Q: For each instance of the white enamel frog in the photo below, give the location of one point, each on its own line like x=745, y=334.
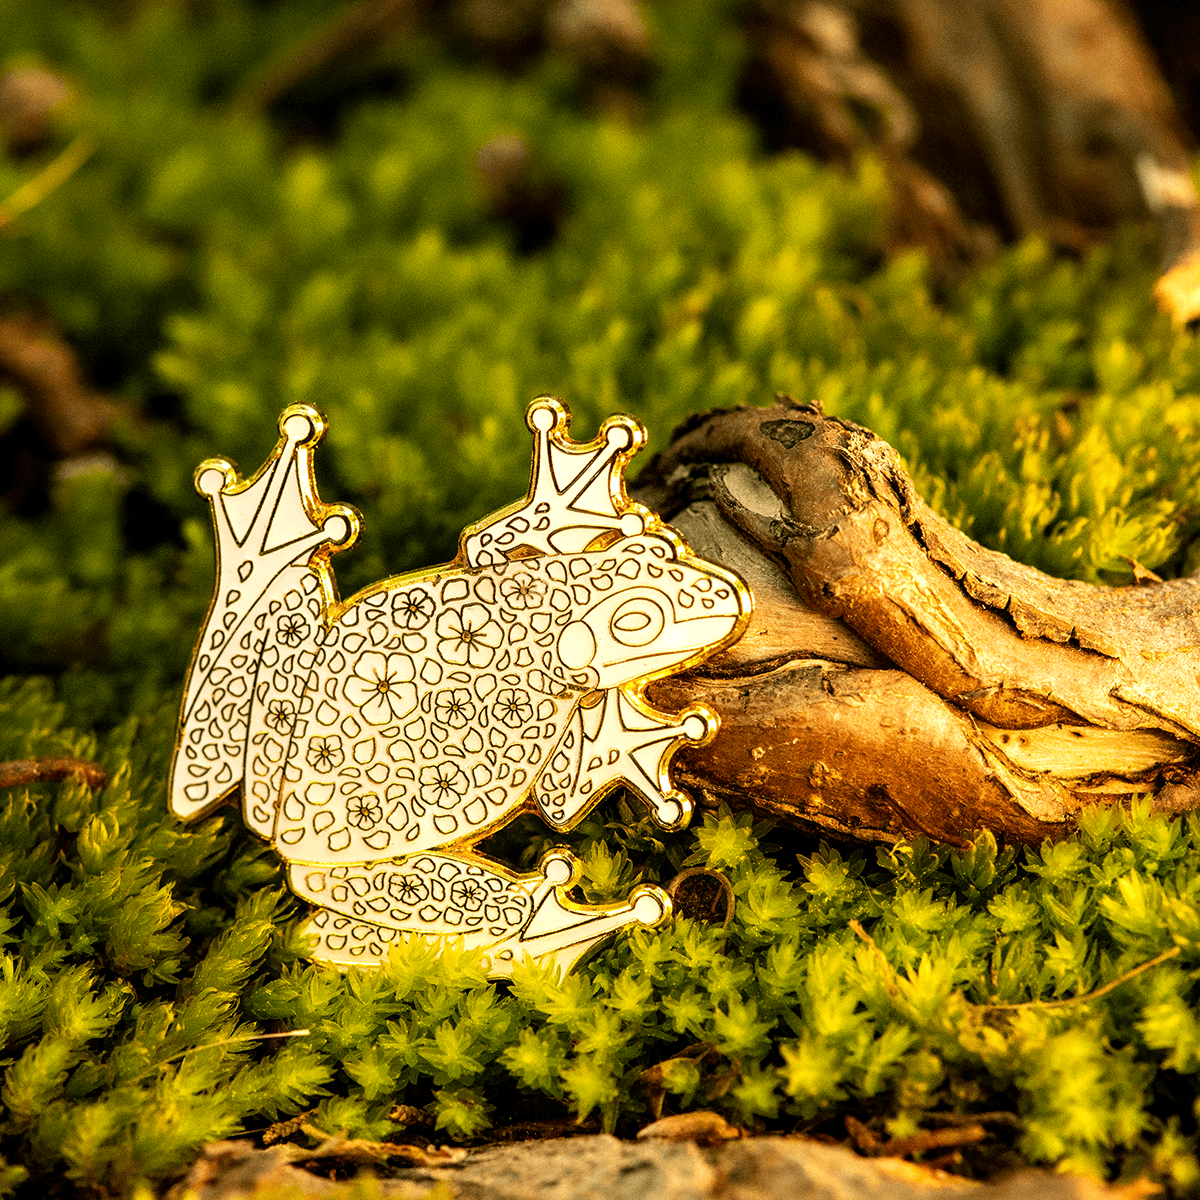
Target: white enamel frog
x=375, y=741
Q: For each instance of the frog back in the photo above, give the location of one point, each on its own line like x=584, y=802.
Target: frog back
x=432, y=707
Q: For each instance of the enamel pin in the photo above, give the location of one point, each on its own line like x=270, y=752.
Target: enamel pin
x=376, y=740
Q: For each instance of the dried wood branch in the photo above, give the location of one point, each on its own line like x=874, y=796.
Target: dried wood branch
x=67, y=413
x=359, y=25
x=898, y=678
x=1048, y=117
x=25, y=771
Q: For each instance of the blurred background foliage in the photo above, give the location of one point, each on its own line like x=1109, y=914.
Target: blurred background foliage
x=419, y=234
x=420, y=239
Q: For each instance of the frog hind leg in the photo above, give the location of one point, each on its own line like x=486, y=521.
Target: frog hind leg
x=436, y=895
x=343, y=941
x=440, y=897
x=620, y=741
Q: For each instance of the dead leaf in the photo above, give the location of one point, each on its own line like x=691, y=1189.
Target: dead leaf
x=703, y=1127
x=364, y=1153
x=1178, y=290
x=865, y=1140
x=1141, y=575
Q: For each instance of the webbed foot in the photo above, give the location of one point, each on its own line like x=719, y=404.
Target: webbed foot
x=618, y=741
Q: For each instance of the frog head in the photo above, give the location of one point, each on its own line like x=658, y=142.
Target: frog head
x=652, y=609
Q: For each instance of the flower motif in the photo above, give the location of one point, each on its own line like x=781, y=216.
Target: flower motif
x=442, y=784
x=364, y=811
x=523, y=591
x=468, y=635
x=289, y=629
x=453, y=707
x=407, y=889
x=512, y=707
x=325, y=753
x=468, y=894
x=381, y=687
x=281, y=715
x=412, y=609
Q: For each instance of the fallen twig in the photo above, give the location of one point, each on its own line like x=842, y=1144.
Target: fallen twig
x=867, y=1141
x=365, y=1153
x=360, y=23
x=1100, y=991
x=898, y=678
x=25, y=771
x=48, y=180
x=932, y=1139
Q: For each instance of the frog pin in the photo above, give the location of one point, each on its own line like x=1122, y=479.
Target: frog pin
x=376, y=741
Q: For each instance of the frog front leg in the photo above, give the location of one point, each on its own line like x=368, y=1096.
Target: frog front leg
x=615, y=740
x=510, y=917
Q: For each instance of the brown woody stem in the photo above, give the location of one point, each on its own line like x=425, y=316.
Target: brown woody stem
x=897, y=678
x=51, y=770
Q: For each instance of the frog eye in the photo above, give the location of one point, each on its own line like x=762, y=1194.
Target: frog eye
x=637, y=622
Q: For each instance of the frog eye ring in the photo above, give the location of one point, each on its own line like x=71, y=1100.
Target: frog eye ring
x=637, y=622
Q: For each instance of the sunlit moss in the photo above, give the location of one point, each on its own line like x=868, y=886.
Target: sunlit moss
x=211, y=270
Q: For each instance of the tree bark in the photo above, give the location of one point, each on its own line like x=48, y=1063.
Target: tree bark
x=898, y=678
x=1019, y=116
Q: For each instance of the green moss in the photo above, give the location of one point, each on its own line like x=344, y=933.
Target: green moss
x=211, y=270
x=878, y=984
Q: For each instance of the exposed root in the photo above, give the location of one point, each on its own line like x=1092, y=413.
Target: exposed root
x=897, y=677
x=25, y=771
